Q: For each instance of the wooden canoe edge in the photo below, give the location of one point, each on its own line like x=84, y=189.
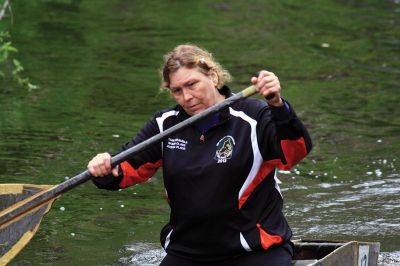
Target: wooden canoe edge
x=345, y=255
x=19, y=188
x=45, y=188
x=351, y=253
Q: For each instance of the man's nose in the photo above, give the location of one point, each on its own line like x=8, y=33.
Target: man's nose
x=187, y=95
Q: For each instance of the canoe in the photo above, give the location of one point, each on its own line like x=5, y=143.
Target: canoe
x=16, y=233
x=330, y=253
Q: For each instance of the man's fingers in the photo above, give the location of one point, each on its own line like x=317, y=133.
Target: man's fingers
x=106, y=163
x=115, y=171
x=100, y=165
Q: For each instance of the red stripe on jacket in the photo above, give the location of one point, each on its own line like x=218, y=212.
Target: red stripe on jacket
x=132, y=176
x=293, y=150
x=268, y=240
x=264, y=171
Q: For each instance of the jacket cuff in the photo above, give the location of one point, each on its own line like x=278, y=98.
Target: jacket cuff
x=281, y=113
x=109, y=182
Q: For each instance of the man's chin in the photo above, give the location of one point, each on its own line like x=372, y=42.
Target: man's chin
x=194, y=111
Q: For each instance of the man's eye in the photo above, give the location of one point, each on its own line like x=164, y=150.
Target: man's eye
x=176, y=91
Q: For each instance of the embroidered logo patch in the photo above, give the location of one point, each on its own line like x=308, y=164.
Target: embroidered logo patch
x=224, y=149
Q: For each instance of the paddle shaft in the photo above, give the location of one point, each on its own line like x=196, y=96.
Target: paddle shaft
x=12, y=212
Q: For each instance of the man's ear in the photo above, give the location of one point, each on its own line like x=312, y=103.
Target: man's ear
x=214, y=77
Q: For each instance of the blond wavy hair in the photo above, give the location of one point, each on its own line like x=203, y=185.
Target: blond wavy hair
x=191, y=56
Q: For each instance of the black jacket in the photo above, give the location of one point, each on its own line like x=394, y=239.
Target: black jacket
x=221, y=187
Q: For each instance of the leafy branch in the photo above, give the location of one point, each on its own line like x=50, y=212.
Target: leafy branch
x=7, y=51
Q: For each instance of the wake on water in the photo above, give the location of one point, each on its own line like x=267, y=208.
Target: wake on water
x=150, y=254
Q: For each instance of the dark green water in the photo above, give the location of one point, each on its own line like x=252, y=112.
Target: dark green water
x=96, y=63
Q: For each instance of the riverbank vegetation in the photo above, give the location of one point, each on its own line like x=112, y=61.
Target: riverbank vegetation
x=10, y=66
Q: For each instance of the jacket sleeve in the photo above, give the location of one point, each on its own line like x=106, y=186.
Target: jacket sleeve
x=283, y=139
x=140, y=167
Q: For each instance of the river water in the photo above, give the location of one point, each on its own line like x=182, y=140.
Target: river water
x=96, y=63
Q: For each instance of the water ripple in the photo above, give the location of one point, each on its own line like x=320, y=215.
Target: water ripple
x=143, y=254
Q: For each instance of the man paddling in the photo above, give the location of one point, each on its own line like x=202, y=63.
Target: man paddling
x=220, y=173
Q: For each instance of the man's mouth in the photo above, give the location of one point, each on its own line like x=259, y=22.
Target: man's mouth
x=193, y=108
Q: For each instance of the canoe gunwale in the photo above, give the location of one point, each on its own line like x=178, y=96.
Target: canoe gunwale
x=331, y=253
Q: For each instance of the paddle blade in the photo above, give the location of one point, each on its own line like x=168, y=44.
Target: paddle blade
x=18, y=231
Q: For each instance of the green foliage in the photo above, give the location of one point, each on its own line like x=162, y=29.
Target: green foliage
x=10, y=67
x=21, y=81
x=6, y=46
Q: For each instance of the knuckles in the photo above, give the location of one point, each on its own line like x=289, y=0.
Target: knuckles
x=100, y=164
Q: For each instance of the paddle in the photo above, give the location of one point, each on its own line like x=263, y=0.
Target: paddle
x=19, y=221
